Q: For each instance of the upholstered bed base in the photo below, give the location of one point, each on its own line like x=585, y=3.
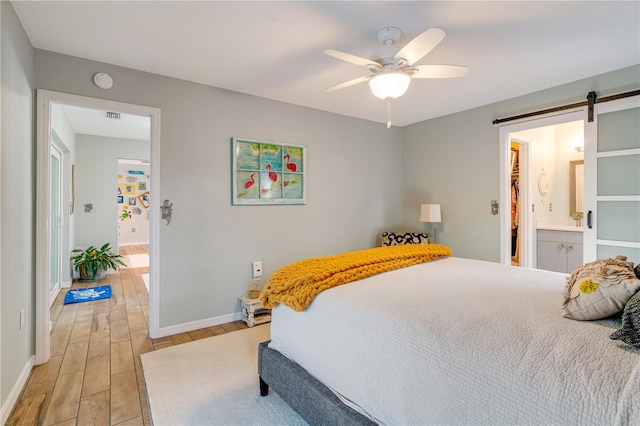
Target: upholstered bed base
x=315, y=403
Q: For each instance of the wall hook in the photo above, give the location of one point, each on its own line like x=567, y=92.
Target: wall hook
x=494, y=207
x=167, y=211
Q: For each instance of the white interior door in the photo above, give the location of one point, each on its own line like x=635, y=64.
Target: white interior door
x=55, y=212
x=612, y=181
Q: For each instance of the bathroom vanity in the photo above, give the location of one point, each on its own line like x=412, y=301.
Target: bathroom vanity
x=559, y=248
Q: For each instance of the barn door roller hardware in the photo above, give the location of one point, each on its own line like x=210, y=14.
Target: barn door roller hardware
x=592, y=99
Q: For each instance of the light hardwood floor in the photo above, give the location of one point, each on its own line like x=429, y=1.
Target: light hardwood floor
x=94, y=375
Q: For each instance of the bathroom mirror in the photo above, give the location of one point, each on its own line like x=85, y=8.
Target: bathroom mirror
x=576, y=187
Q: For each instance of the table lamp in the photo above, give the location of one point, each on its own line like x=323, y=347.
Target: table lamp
x=430, y=213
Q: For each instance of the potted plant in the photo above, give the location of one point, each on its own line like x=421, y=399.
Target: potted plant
x=93, y=263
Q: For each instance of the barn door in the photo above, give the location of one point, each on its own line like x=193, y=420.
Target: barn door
x=612, y=181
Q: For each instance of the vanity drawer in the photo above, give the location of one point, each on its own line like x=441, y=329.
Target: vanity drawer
x=560, y=236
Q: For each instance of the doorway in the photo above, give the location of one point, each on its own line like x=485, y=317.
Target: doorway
x=518, y=169
x=133, y=213
x=542, y=195
x=47, y=102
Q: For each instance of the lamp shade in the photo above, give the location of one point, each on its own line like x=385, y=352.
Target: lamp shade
x=389, y=85
x=430, y=213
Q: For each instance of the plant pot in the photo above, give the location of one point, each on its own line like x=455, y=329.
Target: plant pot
x=86, y=277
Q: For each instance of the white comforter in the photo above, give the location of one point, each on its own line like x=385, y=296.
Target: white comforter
x=458, y=341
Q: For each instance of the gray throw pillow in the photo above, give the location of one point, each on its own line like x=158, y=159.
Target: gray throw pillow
x=630, y=330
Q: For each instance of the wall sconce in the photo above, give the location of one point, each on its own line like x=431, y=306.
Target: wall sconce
x=431, y=213
x=579, y=149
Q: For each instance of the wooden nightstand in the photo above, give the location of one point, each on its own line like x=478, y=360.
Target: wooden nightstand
x=253, y=313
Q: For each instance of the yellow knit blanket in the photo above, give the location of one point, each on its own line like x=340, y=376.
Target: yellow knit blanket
x=297, y=284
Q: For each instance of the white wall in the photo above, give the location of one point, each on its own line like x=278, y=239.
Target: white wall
x=17, y=180
x=542, y=146
x=553, y=147
x=97, y=184
x=567, y=137
x=206, y=252
x=454, y=161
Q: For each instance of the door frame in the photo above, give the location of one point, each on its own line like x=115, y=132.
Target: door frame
x=505, y=131
x=45, y=101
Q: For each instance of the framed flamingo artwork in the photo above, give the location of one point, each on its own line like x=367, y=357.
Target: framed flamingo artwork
x=266, y=172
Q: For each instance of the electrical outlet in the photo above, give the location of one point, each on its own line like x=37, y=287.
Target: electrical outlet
x=257, y=269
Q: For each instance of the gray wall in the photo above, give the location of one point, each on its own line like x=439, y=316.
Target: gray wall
x=455, y=160
x=97, y=183
x=206, y=252
x=17, y=179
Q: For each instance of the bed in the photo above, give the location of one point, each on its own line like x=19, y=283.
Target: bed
x=450, y=341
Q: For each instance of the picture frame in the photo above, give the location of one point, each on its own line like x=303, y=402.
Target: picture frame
x=144, y=199
x=128, y=188
x=267, y=173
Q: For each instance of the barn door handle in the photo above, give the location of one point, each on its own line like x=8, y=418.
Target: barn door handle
x=589, y=217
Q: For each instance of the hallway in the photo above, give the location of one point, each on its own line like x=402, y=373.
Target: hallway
x=94, y=375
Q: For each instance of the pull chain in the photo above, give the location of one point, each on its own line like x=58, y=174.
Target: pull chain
x=388, y=113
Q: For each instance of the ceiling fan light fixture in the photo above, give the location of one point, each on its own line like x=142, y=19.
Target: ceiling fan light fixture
x=390, y=85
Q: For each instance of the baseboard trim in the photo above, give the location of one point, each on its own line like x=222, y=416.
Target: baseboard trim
x=196, y=325
x=13, y=396
x=139, y=243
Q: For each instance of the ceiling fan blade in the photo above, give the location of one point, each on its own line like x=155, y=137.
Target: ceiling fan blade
x=424, y=43
x=347, y=57
x=349, y=83
x=439, y=71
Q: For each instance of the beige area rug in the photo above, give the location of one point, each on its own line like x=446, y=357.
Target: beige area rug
x=213, y=381
x=136, y=260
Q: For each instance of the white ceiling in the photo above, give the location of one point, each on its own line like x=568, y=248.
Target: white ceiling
x=275, y=49
x=87, y=121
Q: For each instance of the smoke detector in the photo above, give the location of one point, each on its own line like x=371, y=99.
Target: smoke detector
x=103, y=80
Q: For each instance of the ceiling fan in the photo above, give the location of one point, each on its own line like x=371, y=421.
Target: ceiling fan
x=392, y=67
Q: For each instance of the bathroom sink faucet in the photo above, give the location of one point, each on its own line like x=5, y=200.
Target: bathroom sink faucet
x=578, y=219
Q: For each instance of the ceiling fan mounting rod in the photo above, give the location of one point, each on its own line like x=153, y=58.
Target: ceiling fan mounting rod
x=389, y=35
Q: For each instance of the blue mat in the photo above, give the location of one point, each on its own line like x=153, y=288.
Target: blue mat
x=88, y=294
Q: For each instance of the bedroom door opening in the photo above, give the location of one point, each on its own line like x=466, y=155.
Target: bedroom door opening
x=53, y=122
x=534, y=182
